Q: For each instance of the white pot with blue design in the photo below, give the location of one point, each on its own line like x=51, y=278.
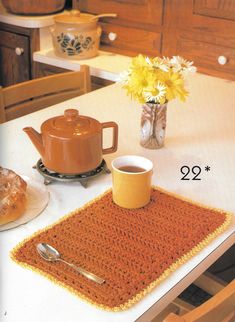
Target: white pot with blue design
x=76, y=35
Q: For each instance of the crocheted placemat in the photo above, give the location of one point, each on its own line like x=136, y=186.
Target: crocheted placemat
x=133, y=250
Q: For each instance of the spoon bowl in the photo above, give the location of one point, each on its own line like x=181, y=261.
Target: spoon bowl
x=47, y=252
x=50, y=254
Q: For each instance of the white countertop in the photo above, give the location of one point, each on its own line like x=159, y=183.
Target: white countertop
x=106, y=65
x=199, y=132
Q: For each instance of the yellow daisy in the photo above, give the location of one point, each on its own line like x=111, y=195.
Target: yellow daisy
x=140, y=81
x=174, y=86
x=139, y=61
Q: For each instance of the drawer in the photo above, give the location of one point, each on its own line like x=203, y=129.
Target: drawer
x=215, y=9
x=130, y=41
x=137, y=13
x=206, y=57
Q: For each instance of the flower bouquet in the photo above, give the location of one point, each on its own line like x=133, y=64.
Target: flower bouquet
x=154, y=82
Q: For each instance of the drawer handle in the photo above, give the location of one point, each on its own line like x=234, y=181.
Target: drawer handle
x=222, y=60
x=19, y=51
x=112, y=36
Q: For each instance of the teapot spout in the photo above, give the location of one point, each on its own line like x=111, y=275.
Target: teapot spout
x=36, y=139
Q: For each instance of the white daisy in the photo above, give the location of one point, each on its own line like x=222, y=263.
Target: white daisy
x=161, y=64
x=182, y=65
x=123, y=77
x=156, y=96
x=166, y=61
x=148, y=61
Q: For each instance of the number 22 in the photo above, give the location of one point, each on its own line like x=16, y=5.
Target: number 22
x=185, y=170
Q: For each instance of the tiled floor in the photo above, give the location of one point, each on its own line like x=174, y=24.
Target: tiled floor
x=194, y=295
x=224, y=267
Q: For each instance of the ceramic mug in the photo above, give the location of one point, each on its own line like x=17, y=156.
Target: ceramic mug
x=131, y=175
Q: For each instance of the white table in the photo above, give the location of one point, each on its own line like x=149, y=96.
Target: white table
x=200, y=132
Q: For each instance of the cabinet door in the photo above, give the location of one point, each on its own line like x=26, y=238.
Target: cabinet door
x=202, y=31
x=14, y=58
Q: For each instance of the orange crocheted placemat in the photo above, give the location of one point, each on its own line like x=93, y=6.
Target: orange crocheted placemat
x=133, y=250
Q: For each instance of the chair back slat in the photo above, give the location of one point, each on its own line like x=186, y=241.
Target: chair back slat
x=27, y=97
x=34, y=105
x=50, y=85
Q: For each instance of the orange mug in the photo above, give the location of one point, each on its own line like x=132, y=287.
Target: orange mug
x=131, y=175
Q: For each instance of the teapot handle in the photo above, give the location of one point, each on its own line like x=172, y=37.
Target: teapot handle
x=113, y=148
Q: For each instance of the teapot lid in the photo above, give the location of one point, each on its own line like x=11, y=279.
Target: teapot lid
x=74, y=17
x=71, y=125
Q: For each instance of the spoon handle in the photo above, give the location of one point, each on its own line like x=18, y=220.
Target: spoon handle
x=84, y=272
x=103, y=15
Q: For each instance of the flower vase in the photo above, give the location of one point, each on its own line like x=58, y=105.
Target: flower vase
x=153, y=125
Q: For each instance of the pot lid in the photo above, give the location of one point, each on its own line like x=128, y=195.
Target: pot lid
x=71, y=125
x=74, y=17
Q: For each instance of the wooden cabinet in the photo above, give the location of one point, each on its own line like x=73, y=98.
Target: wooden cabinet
x=202, y=31
x=16, y=47
x=41, y=70
x=198, y=30
x=137, y=28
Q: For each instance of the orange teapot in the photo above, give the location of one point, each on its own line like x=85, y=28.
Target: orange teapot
x=72, y=143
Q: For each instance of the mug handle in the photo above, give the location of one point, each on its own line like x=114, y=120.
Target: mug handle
x=113, y=148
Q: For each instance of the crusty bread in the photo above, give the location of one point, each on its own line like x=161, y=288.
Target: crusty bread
x=12, y=196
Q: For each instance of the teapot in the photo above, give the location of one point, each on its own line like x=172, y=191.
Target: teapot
x=72, y=143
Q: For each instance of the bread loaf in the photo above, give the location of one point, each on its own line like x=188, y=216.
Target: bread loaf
x=12, y=196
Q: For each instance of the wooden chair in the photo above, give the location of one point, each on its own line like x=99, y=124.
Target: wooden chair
x=219, y=308
x=30, y=96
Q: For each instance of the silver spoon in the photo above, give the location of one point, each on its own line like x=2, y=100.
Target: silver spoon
x=50, y=254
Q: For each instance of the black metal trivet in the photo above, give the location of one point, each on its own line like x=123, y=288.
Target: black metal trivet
x=50, y=176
